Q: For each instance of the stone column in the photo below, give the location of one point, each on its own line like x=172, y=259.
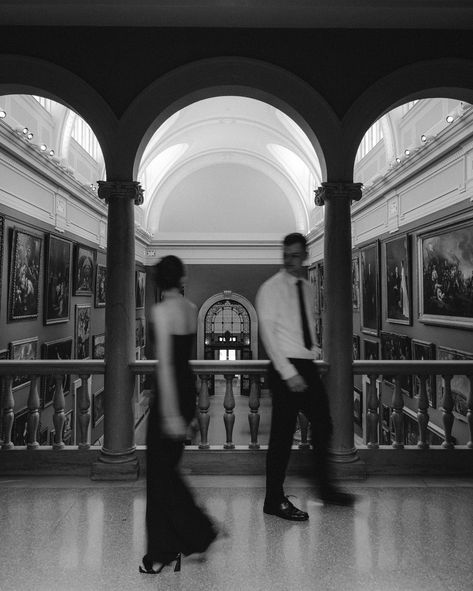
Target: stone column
x=338, y=319
x=118, y=460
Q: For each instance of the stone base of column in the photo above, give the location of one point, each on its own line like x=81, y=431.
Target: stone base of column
x=115, y=468
x=344, y=456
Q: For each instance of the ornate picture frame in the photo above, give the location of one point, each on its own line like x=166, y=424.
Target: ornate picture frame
x=370, y=300
x=100, y=286
x=23, y=350
x=397, y=263
x=140, y=289
x=58, y=349
x=25, y=270
x=397, y=347
x=57, y=280
x=460, y=384
x=84, y=266
x=98, y=346
x=355, y=283
x=82, y=326
x=370, y=349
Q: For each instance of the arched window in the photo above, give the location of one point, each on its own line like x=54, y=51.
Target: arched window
x=44, y=102
x=227, y=323
x=372, y=137
x=85, y=137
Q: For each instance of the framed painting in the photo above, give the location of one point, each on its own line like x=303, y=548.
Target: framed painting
x=82, y=331
x=3, y=354
x=58, y=349
x=23, y=350
x=357, y=406
x=369, y=273
x=83, y=270
x=313, y=280
x=24, y=275
x=20, y=426
x=398, y=280
x=140, y=332
x=320, y=284
x=97, y=407
x=356, y=347
x=140, y=288
x=57, y=280
x=445, y=263
x=370, y=350
x=355, y=283
x=460, y=385
x=2, y=233
x=422, y=350
x=98, y=346
x=100, y=286
x=396, y=347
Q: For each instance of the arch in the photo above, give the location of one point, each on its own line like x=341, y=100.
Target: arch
x=26, y=75
x=227, y=76
x=227, y=295
x=447, y=78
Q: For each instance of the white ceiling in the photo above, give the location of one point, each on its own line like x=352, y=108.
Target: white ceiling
x=433, y=14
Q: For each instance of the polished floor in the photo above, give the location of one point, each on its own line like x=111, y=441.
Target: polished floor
x=416, y=534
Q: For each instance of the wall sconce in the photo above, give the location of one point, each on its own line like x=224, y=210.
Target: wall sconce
x=51, y=152
x=3, y=114
x=43, y=147
x=449, y=118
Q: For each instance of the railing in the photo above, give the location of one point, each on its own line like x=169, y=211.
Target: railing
x=255, y=369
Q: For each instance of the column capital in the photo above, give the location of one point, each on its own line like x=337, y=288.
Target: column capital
x=351, y=191
x=120, y=189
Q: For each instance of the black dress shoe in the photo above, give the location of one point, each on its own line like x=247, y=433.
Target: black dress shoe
x=286, y=510
x=335, y=496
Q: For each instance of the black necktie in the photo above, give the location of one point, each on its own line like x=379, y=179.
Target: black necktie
x=305, y=324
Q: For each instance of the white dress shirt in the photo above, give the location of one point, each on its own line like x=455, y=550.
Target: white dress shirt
x=280, y=323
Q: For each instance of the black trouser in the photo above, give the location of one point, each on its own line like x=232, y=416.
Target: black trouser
x=286, y=405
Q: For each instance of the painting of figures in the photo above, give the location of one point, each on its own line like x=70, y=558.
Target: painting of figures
x=82, y=332
x=83, y=270
x=398, y=288
x=369, y=257
x=397, y=347
x=355, y=283
x=24, y=275
x=446, y=276
x=60, y=349
x=57, y=280
x=23, y=350
x=140, y=284
x=100, y=286
x=460, y=385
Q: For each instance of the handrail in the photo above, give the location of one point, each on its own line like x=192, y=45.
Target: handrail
x=419, y=367
x=212, y=367
x=43, y=367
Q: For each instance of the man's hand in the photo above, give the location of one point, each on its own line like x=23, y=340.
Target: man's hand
x=296, y=383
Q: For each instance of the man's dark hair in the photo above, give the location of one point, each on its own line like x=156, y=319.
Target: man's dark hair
x=169, y=272
x=295, y=238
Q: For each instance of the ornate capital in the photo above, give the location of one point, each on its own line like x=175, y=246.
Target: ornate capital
x=351, y=191
x=120, y=190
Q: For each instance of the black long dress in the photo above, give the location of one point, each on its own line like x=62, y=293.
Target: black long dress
x=174, y=522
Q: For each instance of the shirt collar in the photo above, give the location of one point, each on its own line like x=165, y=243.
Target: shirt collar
x=290, y=278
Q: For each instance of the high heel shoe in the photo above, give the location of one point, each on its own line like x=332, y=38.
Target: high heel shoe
x=147, y=567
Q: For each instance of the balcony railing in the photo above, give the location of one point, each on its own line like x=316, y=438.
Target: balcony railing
x=254, y=369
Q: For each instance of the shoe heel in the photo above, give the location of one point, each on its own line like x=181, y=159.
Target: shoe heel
x=177, y=567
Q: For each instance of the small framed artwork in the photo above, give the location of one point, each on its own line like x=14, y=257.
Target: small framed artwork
x=83, y=270
x=422, y=350
x=397, y=347
x=370, y=349
x=460, y=385
x=356, y=347
x=23, y=350
x=369, y=263
x=24, y=275
x=97, y=407
x=355, y=283
x=58, y=349
x=100, y=286
x=140, y=285
x=68, y=432
x=140, y=332
x=98, y=346
x=445, y=262
x=57, y=280
x=82, y=331
x=398, y=280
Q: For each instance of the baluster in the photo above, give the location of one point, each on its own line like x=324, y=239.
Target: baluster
x=304, y=426
x=204, y=417
x=469, y=414
x=83, y=404
x=372, y=417
x=59, y=416
x=8, y=405
x=229, y=405
x=253, y=415
x=33, y=414
x=447, y=408
x=397, y=414
x=422, y=413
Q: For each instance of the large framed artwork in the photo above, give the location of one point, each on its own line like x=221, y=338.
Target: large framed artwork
x=355, y=283
x=369, y=263
x=82, y=331
x=83, y=270
x=371, y=350
x=397, y=347
x=58, y=349
x=100, y=286
x=57, y=280
x=460, y=385
x=445, y=262
x=424, y=351
x=23, y=350
x=313, y=280
x=98, y=346
x=398, y=280
x=140, y=288
x=97, y=407
x=24, y=275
